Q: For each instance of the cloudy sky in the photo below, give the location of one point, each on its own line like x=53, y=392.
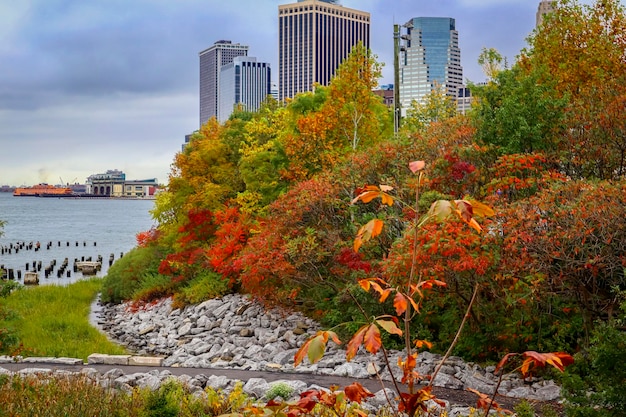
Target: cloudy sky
x=91, y=85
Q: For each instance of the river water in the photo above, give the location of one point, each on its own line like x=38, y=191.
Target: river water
x=72, y=228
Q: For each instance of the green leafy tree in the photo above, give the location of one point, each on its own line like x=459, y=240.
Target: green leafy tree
x=436, y=107
x=518, y=114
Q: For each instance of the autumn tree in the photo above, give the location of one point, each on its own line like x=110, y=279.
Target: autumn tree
x=331, y=122
x=569, y=240
x=579, y=51
x=358, y=115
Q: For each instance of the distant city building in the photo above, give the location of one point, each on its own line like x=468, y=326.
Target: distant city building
x=314, y=37
x=545, y=7
x=386, y=93
x=463, y=100
x=211, y=61
x=274, y=91
x=113, y=183
x=243, y=82
x=429, y=57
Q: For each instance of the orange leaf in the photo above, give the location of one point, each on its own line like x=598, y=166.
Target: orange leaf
x=371, y=340
x=384, y=295
x=559, y=360
x=400, y=303
x=370, y=192
x=485, y=402
x=422, y=343
x=357, y=392
x=416, y=166
x=429, y=283
x=504, y=361
x=365, y=284
x=353, y=345
x=481, y=209
x=372, y=229
x=465, y=210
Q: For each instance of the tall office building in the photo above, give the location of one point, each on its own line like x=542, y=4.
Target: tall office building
x=429, y=57
x=314, y=37
x=545, y=7
x=244, y=82
x=211, y=62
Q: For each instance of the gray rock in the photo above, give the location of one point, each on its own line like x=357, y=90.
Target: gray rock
x=256, y=387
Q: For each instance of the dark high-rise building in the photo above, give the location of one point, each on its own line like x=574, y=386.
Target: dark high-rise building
x=429, y=58
x=211, y=62
x=314, y=37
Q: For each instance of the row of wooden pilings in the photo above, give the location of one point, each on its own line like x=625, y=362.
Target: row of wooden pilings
x=35, y=267
x=36, y=246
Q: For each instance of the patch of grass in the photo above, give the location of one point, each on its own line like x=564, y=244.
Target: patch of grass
x=78, y=395
x=67, y=396
x=53, y=320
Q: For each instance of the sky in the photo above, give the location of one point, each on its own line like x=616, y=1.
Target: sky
x=92, y=85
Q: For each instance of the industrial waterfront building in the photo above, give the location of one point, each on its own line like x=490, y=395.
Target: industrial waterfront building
x=113, y=183
x=314, y=37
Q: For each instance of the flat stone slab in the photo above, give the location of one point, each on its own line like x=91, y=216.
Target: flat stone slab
x=102, y=359
x=145, y=361
x=56, y=361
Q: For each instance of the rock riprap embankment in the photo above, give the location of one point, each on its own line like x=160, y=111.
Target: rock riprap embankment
x=236, y=333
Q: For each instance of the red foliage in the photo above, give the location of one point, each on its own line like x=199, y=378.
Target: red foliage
x=230, y=238
x=145, y=239
x=353, y=260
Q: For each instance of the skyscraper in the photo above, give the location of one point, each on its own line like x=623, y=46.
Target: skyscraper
x=429, y=57
x=545, y=7
x=314, y=37
x=244, y=82
x=211, y=62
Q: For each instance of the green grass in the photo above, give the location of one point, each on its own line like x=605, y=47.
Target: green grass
x=53, y=320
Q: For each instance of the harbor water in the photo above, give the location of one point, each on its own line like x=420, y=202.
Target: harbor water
x=72, y=228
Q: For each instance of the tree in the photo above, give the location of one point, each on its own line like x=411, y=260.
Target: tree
x=570, y=240
x=351, y=98
x=579, y=51
x=437, y=106
x=518, y=114
x=491, y=61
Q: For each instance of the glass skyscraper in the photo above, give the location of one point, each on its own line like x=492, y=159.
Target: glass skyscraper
x=314, y=37
x=429, y=57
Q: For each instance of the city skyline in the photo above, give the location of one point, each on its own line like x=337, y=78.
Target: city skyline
x=87, y=86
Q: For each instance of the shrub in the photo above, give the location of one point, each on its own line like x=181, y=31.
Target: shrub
x=204, y=287
x=279, y=389
x=125, y=275
x=594, y=386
